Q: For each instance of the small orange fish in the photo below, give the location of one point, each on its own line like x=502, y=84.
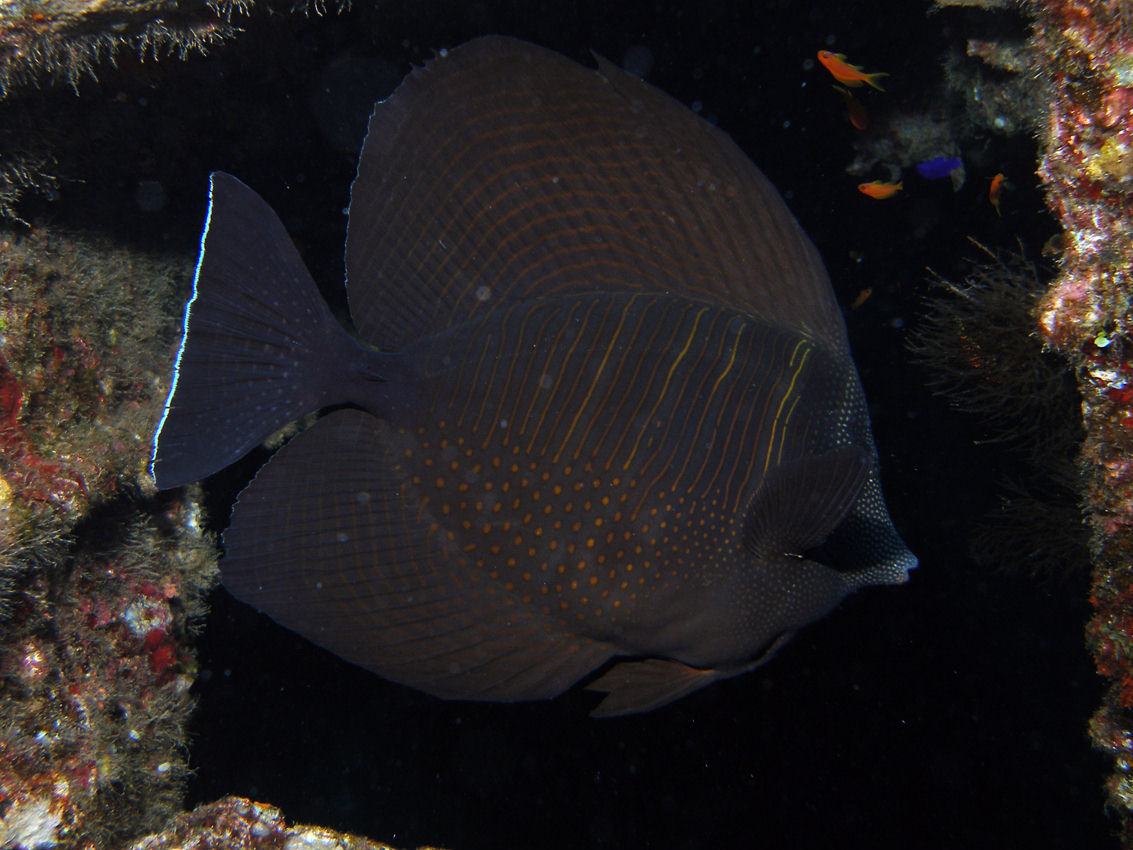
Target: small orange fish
x=844, y=72
x=879, y=190
x=995, y=191
x=863, y=296
x=854, y=108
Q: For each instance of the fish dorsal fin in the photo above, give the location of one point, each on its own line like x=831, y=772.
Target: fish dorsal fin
x=800, y=503
x=502, y=171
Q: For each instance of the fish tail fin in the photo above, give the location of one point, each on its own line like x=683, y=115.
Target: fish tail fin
x=872, y=79
x=259, y=349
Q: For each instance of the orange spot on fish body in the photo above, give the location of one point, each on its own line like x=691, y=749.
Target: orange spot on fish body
x=879, y=190
x=847, y=74
x=854, y=109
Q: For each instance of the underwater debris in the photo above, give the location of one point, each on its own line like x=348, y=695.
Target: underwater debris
x=1013, y=56
x=993, y=89
x=27, y=165
x=61, y=41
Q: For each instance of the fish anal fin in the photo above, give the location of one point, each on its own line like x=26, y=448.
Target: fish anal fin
x=636, y=686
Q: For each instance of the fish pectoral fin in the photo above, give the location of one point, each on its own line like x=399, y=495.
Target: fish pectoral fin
x=801, y=502
x=635, y=686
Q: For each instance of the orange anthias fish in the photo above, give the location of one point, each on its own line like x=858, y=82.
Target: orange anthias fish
x=995, y=191
x=880, y=190
x=844, y=72
x=854, y=108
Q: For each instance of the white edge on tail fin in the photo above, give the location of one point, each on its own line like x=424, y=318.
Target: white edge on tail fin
x=184, y=331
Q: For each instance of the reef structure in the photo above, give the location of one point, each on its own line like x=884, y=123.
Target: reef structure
x=235, y=823
x=101, y=580
x=48, y=43
x=63, y=39
x=1086, y=49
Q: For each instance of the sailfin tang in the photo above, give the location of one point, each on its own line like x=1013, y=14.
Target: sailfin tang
x=331, y=541
x=258, y=340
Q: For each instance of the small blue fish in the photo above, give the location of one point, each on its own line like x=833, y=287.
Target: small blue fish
x=938, y=168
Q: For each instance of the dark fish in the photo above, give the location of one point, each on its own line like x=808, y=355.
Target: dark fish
x=613, y=414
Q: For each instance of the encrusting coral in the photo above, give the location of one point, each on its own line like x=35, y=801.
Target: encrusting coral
x=102, y=581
